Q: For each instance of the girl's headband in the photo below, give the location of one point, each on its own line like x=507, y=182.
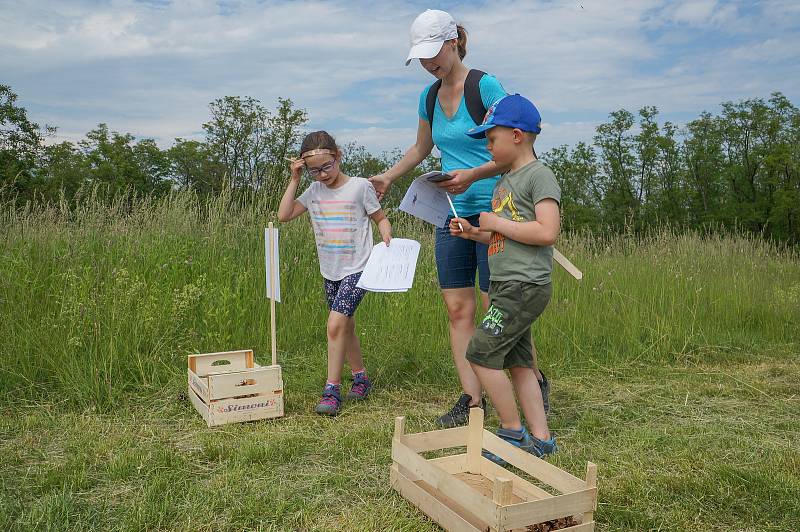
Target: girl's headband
x=309, y=153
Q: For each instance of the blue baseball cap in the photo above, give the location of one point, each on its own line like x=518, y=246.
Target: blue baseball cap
x=513, y=111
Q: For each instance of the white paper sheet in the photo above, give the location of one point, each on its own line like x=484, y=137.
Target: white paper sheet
x=276, y=261
x=427, y=201
x=391, y=269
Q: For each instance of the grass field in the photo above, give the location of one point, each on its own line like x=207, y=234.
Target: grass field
x=674, y=367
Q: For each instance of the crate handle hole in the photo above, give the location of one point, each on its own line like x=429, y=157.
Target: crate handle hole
x=247, y=382
x=222, y=362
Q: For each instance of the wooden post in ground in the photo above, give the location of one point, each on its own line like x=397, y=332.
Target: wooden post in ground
x=399, y=427
x=474, y=440
x=271, y=252
x=591, y=482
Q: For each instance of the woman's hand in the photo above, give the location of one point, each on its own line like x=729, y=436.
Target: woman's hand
x=462, y=179
x=296, y=167
x=381, y=184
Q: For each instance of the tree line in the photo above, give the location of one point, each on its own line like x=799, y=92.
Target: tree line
x=736, y=170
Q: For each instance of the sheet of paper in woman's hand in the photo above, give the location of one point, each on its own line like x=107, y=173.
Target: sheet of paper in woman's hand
x=390, y=269
x=427, y=201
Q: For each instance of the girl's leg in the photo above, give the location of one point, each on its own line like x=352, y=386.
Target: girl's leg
x=460, y=303
x=499, y=390
x=530, y=399
x=338, y=337
x=353, y=349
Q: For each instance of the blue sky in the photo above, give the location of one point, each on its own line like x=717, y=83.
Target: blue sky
x=151, y=67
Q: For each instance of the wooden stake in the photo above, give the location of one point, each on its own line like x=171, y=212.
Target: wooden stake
x=567, y=265
x=399, y=426
x=591, y=482
x=501, y=492
x=475, y=440
x=272, y=298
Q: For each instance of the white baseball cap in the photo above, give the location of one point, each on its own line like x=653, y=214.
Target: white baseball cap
x=429, y=32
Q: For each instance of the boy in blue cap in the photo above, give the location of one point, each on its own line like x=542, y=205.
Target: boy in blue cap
x=520, y=232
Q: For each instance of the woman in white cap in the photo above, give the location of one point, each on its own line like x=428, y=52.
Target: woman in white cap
x=450, y=106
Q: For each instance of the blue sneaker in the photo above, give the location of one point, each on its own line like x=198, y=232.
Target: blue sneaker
x=330, y=402
x=360, y=388
x=522, y=439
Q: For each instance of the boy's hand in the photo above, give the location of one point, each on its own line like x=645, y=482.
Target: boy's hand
x=455, y=230
x=296, y=167
x=487, y=221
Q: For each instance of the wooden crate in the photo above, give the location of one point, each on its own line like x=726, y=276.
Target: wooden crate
x=229, y=387
x=467, y=492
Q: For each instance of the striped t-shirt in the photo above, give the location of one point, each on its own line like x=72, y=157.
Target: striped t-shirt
x=342, y=229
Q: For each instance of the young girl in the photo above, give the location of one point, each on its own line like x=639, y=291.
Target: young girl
x=340, y=208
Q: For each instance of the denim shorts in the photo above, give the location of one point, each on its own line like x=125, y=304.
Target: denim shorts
x=457, y=259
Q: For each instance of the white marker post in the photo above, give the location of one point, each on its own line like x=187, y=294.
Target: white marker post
x=273, y=280
x=567, y=265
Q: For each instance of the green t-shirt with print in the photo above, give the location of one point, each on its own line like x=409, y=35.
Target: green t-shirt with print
x=515, y=197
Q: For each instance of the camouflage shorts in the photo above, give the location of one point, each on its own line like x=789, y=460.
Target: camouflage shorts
x=503, y=339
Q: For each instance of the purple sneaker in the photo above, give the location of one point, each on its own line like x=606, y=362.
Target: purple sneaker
x=360, y=388
x=330, y=402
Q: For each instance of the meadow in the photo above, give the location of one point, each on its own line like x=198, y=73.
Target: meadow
x=674, y=367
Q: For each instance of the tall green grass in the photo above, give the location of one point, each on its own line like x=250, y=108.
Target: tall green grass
x=673, y=365
x=107, y=299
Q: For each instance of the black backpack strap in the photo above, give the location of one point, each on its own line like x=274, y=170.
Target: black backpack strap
x=430, y=101
x=472, y=96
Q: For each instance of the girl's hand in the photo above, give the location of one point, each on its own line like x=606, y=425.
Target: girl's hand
x=487, y=221
x=461, y=181
x=455, y=229
x=296, y=167
x=381, y=184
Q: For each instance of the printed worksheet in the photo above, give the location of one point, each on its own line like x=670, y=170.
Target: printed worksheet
x=427, y=201
x=391, y=269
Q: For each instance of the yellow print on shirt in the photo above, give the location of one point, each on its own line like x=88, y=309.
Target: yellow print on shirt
x=502, y=199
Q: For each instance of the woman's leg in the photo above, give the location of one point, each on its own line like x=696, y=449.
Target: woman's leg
x=460, y=303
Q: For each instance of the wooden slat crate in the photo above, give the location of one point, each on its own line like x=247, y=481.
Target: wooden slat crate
x=229, y=387
x=467, y=492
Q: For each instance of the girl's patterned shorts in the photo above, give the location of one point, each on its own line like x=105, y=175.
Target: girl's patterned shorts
x=343, y=296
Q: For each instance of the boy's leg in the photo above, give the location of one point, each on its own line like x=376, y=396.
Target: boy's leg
x=498, y=388
x=530, y=399
x=499, y=333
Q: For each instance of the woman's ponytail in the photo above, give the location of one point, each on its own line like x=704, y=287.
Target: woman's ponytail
x=461, y=41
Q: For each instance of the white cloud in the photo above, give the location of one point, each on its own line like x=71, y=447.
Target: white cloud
x=694, y=12
x=151, y=69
